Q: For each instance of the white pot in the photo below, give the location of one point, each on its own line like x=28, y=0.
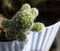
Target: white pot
x=12, y=46
x=37, y=41
x=42, y=41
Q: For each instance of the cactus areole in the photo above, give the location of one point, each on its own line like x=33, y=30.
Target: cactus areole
x=21, y=23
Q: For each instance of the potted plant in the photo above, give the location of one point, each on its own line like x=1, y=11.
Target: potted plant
x=21, y=31
x=17, y=29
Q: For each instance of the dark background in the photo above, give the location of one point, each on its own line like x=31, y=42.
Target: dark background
x=49, y=10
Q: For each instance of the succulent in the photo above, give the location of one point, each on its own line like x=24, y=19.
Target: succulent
x=34, y=13
x=22, y=23
x=38, y=27
x=6, y=23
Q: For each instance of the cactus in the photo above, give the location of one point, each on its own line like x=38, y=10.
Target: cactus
x=38, y=27
x=6, y=23
x=34, y=13
x=21, y=23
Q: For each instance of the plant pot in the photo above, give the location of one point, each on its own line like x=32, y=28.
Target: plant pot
x=42, y=41
x=37, y=41
x=12, y=46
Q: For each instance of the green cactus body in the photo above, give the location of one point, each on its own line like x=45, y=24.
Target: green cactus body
x=6, y=23
x=38, y=27
x=21, y=23
x=34, y=13
x=23, y=20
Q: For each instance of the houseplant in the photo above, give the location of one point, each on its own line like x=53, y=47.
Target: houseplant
x=37, y=39
x=18, y=27
x=48, y=15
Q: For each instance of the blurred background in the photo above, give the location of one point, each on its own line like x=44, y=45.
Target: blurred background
x=49, y=12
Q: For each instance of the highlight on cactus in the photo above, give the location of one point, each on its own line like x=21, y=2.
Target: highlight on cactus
x=34, y=12
x=22, y=23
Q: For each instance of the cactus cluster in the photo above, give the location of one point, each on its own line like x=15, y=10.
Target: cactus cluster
x=21, y=23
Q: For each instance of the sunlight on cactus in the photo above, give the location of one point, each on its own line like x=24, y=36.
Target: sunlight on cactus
x=34, y=13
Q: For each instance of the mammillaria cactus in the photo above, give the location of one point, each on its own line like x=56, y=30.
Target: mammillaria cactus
x=6, y=23
x=38, y=27
x=34, y=12
x=21, y=23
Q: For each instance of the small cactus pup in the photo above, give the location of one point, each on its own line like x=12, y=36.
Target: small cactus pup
x=38, y=27
x=20, y=24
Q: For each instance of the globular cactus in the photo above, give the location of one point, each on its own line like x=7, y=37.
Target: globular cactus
x=21, y=23
x=23, y=20
x=34, y=12
x=38, y=27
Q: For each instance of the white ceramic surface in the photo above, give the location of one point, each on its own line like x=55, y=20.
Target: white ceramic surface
x=42, y=41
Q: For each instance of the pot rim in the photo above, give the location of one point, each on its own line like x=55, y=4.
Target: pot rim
x=54, y=23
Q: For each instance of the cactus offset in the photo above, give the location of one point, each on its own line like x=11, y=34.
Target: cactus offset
x=38, y=27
